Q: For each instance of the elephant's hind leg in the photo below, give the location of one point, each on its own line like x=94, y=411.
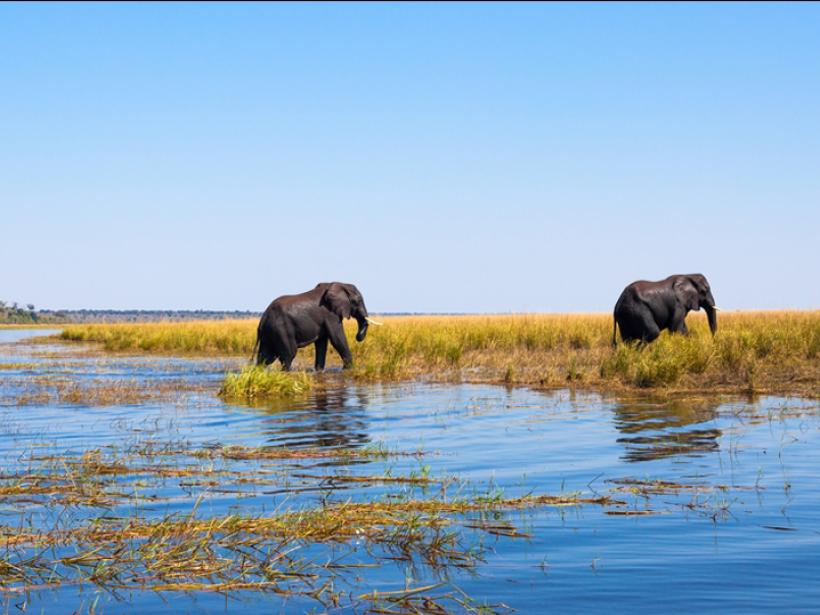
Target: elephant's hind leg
x=638, y=324
x=649, y=329
x=266, y=356
x=287, y=352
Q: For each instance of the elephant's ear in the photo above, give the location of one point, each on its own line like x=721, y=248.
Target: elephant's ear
x=687, y=293
x=337, y=300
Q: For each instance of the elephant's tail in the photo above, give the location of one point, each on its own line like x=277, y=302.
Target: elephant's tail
x=614, y=330
x=257, y=346
x=255, y=352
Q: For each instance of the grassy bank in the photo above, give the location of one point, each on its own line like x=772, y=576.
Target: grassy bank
x=752, y=352
x=222, y=338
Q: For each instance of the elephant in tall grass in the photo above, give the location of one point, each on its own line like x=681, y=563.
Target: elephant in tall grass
x=313, y=317
x=644, y=309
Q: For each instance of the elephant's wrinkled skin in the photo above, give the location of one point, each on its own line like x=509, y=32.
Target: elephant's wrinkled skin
x=644, y=309
x=314, y=317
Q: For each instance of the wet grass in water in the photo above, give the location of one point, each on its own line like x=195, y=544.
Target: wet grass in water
x=266, y=553
x=64, y=390
x=253, y=384
x=240, y=553
x=234, y=552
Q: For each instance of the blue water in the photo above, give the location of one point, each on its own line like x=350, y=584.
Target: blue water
x=743, y=537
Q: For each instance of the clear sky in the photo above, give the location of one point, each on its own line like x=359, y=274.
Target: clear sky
x=482, y=158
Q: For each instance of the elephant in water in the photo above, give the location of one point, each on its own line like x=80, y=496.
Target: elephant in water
x=314, y=317
x=644, y=309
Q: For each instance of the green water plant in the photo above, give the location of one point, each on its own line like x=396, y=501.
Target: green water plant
x=258, y=383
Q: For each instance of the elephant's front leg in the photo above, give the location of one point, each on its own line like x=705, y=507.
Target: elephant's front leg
x=338, y=340
x=321, y=353
x=678, y=324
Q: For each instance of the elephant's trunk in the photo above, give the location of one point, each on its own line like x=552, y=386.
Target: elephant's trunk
x=362, y=332
x=711, y=312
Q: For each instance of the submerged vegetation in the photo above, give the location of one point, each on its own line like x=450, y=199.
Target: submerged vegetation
x=752, y=351
x=238, y=553
x=305, y=552
x=243, y=552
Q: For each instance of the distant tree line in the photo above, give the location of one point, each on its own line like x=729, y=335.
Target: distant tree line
x=14, y=314
x=144, y=315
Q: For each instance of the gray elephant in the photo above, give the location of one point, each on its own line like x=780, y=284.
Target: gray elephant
x=314, y=317
x=644, y=309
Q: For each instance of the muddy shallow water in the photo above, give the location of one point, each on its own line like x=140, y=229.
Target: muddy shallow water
x=719, y=498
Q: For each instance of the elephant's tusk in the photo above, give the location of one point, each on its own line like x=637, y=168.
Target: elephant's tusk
x=374, y=322
x=716, y=308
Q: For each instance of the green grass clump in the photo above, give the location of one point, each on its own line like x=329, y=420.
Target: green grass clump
x=258, y=383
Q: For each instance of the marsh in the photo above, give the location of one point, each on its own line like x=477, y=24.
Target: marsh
x=476, y=495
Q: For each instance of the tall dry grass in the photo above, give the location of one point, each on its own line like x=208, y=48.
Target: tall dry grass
x=206, y=337
x=761, y=351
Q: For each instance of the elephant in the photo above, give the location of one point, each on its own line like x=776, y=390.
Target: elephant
x=313, y=317
x=644, y=308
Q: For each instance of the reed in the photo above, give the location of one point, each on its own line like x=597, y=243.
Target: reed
x=753, y=351
x=271, y=553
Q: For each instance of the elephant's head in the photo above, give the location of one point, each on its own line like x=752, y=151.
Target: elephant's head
x=346, y=301
x=694, y=292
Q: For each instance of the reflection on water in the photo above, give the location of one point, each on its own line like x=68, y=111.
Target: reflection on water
x=328, y=418
x=657, y=430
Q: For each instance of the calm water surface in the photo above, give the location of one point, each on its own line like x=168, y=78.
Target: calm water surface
x=743, y=535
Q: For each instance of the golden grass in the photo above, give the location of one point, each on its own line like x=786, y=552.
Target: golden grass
x=265, y=553
x=776, y=351
x=206, y=337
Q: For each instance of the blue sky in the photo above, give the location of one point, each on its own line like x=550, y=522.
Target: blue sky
x=482, y=158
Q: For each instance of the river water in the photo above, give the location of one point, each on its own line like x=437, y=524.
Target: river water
x=727, y=489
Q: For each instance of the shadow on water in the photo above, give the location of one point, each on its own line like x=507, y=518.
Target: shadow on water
x=667, y=429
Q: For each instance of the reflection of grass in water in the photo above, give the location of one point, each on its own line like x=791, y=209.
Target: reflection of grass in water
x=257, y=383
x=752, y=351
